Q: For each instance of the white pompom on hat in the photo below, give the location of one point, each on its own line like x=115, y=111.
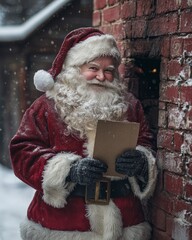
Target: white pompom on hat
x=43, y=81
x=79, y=46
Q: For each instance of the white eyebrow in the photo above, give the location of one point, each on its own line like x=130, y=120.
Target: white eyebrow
x=112, y=67
x=94, y=63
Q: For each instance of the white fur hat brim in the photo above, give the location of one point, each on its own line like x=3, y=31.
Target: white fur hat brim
x=92, y=48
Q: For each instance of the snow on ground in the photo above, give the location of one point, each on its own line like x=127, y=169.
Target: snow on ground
x=15, y=197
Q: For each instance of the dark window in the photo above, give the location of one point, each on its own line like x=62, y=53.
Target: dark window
x=146, y=88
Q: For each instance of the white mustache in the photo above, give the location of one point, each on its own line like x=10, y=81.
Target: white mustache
x=105, y=83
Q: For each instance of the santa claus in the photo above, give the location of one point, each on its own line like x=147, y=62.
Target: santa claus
x=52, y=150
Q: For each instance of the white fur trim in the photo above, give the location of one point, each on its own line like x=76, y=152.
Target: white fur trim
x=43, y=81
x=55, y=189
x=105, y=220
x=91, y=48
x=33, y=231
x=152, y=176
x=140, y=231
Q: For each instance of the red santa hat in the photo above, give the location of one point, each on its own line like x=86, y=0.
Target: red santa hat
x=79, y=46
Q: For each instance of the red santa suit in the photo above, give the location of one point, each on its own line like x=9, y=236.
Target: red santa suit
x=42, y=152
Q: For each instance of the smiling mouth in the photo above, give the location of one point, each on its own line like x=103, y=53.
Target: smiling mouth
x=97, y=85
x=101, y=86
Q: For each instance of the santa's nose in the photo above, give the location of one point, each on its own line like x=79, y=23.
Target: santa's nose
x=100, y=76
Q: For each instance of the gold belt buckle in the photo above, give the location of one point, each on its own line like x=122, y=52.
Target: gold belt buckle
x=97, y=200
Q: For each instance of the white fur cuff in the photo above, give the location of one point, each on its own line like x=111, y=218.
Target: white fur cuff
x=55, y=189
x=152, y=176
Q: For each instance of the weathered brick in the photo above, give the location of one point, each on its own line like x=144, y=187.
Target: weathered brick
x=189, y=167
x=164, y=69
x=140, y=47
x=174, y=69
x=160, y=235
x=155, y=48
x=187, y=144
x=167, y=6
x=124, y=48
x=112, y=2
x=170, y=161
x=162, y=119
x=186, y=95
x=154, y=26
x=173, y=162
x=139, y=28
x=176, y=118
x=118, y=31
x=169, y=92
x=99, y=4
x=188, y=45
x=173, y=184
x=163, y=25
x=169, y=224
x=165, y=47
x=158, y=218
x=188, y=190
x=164, y=201
x=178, y=140
x=106, y=28
x=186, y=23
x=186, y=4
x=173, y=23
x=165, y=139
x=96, y=18
x=176, y=47
x=144, y=7
x=181, y=205
x=111, y=14
x=128, y=29
x=162, y=105
x=128, y=9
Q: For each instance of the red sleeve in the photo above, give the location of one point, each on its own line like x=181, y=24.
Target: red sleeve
x=30, y=147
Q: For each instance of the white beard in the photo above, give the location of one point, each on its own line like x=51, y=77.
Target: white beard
x=81, y=103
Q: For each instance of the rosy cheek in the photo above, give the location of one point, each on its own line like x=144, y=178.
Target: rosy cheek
x=109, y=78
x=88, y=75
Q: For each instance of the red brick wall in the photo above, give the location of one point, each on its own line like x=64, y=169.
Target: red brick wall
x=162, y=29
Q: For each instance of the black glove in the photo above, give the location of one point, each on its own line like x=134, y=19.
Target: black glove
x=132, y=163
x=86, y=171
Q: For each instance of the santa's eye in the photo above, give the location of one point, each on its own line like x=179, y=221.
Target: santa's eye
x=109, y=71
x=93, y=68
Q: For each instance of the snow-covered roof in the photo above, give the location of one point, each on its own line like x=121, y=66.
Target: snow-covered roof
x=20, y=32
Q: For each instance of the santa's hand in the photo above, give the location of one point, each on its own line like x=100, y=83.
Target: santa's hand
x=86, y=171
x=132, y=163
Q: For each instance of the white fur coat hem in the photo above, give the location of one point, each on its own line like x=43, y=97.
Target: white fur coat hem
x=34, y=231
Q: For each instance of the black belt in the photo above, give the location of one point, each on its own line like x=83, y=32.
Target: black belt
x=118, y=188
